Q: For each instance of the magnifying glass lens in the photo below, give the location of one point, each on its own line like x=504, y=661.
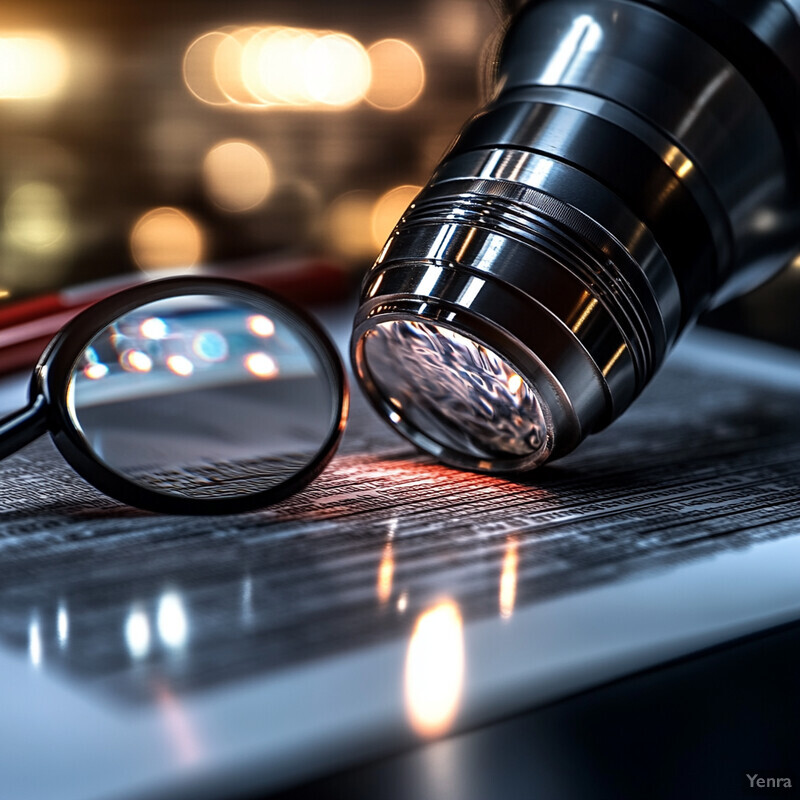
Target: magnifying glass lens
x=204, y=396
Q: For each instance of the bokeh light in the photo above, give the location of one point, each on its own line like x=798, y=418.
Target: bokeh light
x=31, y=67
x=337, y=70
x=228, y=67
x=198, y=69
x=135, y=361
x=398, y=75
x=348, y=225
x=455, y=26
x=95, y=372
x=387, y=211
x=180, y=365
x=37, y=216
x=261, y=365
x=250, y=67
x=210, y=346
x=238, y=176
x=274, y=65
x=166, y=237
x=153, y=328
x=261, y=325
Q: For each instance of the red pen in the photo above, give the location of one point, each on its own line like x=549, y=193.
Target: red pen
x=28, y=325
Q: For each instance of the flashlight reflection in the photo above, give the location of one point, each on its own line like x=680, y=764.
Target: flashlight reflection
x=434, y=669
x=385, y=574
x=137, y=632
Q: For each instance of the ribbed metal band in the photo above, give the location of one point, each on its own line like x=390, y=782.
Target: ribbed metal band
x=549, y=227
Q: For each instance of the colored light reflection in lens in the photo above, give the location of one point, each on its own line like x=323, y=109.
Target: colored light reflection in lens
x=201, y=430
x=31, y=67
x=210, y=346
x=180, y=365
x=95, y=371
x=434, y=670
x=261, y=365
x=238, y=176
x=514, y=383
x=136, y=361
x=166, y=237
x=154, y=328
x=398, y=75
x=261, y=326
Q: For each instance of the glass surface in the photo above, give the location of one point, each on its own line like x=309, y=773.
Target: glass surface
x=454, y=390
x=204, y=396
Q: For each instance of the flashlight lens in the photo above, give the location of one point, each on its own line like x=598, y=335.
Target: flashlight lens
x=456, y=392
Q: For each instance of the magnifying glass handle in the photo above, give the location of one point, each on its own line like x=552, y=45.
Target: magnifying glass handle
x=22, y=427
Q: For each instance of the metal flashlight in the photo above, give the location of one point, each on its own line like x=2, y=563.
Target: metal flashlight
x=638, y=164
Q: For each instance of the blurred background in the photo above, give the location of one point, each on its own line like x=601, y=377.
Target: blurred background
x=156, y=136
x=152, y=136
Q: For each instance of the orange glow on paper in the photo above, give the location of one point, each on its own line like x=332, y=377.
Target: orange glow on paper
x=179, y=728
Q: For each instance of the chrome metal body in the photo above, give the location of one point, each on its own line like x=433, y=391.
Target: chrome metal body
x=639, y=163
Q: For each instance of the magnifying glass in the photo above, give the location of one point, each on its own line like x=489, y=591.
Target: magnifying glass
x=189, y=395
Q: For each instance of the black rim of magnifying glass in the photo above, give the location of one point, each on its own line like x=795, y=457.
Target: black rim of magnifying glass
x=49, y=385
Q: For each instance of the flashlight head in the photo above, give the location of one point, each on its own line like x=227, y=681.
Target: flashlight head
x=614, y=188
x=497, y=351
x=456, y=396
